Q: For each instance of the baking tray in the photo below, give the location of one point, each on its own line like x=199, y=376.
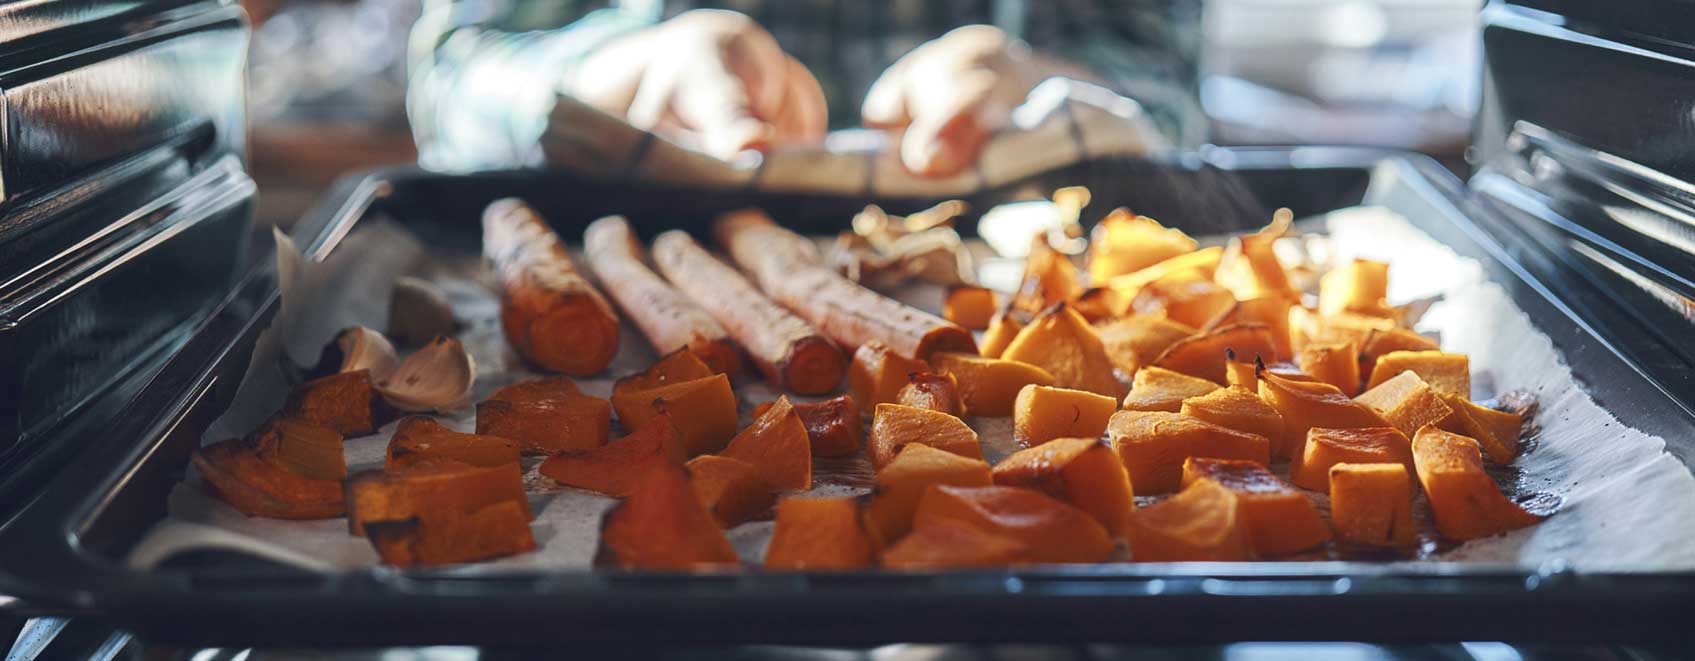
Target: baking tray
x=61, y=554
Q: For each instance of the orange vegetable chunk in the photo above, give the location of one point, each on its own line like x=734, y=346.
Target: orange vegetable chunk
x=893, y=427
x=970, y=306
x=429, y=489
x=1269, y=310
x=303, y=448
x=1187, y=297
x=1447, y=373
x=1371, y=504
x=1154, y=444
x=339, y=401
x=616, y=468
x=1081, y=471
x=1328, y=447
x=929, y=390
x=495, y=531
x=707, y=403
x=1203, y=523
x=952, y=545
x=1002, y=328
x=1336, y=364
x=731, y=489
x=820, y=534
x=1160, y=389
x=776, y=443
x=672, y=368
x=1496, y=431
x=1358, y=286
x=1044, y=413
x=1308, y=404
x=1049, y=530
x=989, y=386
x=546, y=415
x=1124, y=242
x=233, y=471
x=1138, y=339
x=1204, y=355
x=899, y=485
x=833, y=425
x=1203, y=262
x=1279, y=518
x=1239, y=409
x=1407, y=402
x=662, y=526
x=1062, y=342
x=878, y=374
x=418, y=437
x=1383, y=340
x=1463, y=498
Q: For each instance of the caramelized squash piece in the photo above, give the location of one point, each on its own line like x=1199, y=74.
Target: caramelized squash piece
x=1349, y=327
x=1269, y=310
x=1336, y=364
x=1186, y=297
x=1308, y=404
x=1138, y=339
x=615, y=468
x=1096, y=304
x=1367, y=445
x=662, y=526
x=1239, y=409
x=1044, y=413
x=233, y=471
x=820, y=534
x=675, y=367
x=1123, y=242
x=1241, y=375
x=1049, y=530
x=1360, y=286
x=1495, y=431
x=1378, y=342
x=546, y=415
x=342, y=402
x=952, y=545
x=730, y=489
x=1062, y=342
x=1257, y=250
x=889, y=509
x=418, y=437
x=1204, y=355
x=894, y=427
x=303, y=448
x=1081, y=471
x=1154, y=444
x=1127, y=286
x=1279, y=518
x=1447, y=373
x=1407, y=402
x=833, y=425
x=776, y=443
x=1160, y=389
x=1464, y=500
x=1371, y=504
x=495, y=531
x=878, y=374
x=1049, y=278
x=989, y=386
x=1002, y=329
x=429, y=489
x=970, y=306
x=929, y=390
x=1203, y=523
x=707, y=403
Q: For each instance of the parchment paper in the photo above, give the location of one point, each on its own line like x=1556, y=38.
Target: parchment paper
x=1620, y=502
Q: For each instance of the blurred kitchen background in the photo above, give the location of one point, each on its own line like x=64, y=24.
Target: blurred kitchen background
x=328, y=82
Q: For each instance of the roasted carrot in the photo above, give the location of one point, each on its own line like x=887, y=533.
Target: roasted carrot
x=788, y=267
x=789, y=351
x=550, y=313
x=668, y=319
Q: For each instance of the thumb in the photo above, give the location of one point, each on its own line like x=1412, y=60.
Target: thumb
x=715, y=103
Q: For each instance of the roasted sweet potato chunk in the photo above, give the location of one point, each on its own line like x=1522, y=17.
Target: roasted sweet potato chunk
x=970, y=306
x=1358, y=286
x=1002, y=329
x=429, y=489
x=1371, y=504
x=495, y=531
x=615, y=468
x=1049, y=530
x=546, y=415
x=1280, y=519
x=1062, y=342
x=889, y=510
x=1123, y=242
x=1496, y=431
x=675, y=367
x=1204, y=355
x=1381, y=340
x=1366, y=445
x=893, y=427
x=1407, y=402
x=1336, y=364
x=418, y=437
x=303, y=448
x=929, y=390
x=776, y=443
x=233, y=471
x=952, y=545
x=342, y=402
x=989, y=386
x=1044, y=413
x=662, y=525
x=706, y=403
x=731, y=489
x=820, y=534
x=1464, y=500
x=1447, y=373
x=1160, y=389
x=878, y=374
x=1138, y=339
x=1203, y=523
x=833, y=425
x=1154, y=444
x=1239, y=409
x=1308, y=404
x=1081, y=471
x=1186, y=297
x=1269, y=310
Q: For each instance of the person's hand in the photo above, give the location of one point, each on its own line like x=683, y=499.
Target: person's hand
x=713, y=80
x=946, y=96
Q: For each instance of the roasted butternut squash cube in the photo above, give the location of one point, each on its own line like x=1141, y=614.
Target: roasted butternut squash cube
x=1371, y=504
x=989, y=386
x=303, y=448
x=889, y=510
x=663, y=526
x=1049, y=278
x=1269, y=310
x=546, y=415
x=1081, y=471
x=1336, y=364
x=495, y=531
x=1002, y=329
x=731, y=489
x=970, y=306
x=1138, y=339
x=1123, y=242
x=1367, y=445
x=342, y=402
x=1463, y=498
x=418, y=437
x=1096, y=304
x=833, y=425
x=952, y=545
x=1126, y=287
x=776, y=443
x=1062, y=342
x=1496, y=431
x=706, y=403
x=1359, y=286
x=1204, y=355
x=1308, y=404
x=1186, y=297
x=1447, y=373
x=894, y=427
x=615, y=468
x=878, y=374
x=1280, y=519
x=1387, y=339
x=930, y=390
x=1154, y=444
x=1044, y=413
x=1407, y=402
x=820, y=534
x=1241, y=410
x=1160, y=389
x=1202, y=523
x=428, y=489
x=672, y=368
x=1257, y=250
x=1241, y=375
x=1050, y=531
x=233, y=472
x=1348, y=327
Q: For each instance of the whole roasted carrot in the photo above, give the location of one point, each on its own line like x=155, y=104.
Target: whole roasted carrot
x=550, y=313
x=787, y=266
x=668, y=319
x=789, y=351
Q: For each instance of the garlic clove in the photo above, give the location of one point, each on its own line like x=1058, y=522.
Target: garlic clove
x=418, y=311
x=358, y=348
x=435, y=378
